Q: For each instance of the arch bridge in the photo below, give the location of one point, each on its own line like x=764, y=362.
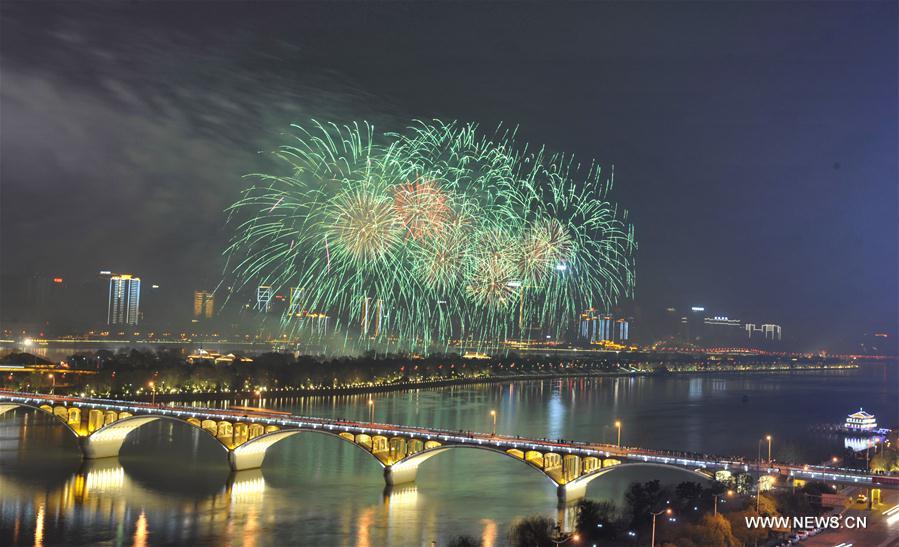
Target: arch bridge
x=101, y=427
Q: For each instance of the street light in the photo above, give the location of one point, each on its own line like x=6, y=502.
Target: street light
x=559, y=537
x=654, y=515
x=153, y=391
x=758, y=477
x=52, y=382
x=768, y=438
x=729, y=494
x=493, y=415
x=618, y=425
x=371, y=411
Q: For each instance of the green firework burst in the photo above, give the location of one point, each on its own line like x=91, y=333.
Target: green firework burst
x=434, y=234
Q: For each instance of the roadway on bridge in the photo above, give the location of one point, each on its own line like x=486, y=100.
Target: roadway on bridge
x=498, y=442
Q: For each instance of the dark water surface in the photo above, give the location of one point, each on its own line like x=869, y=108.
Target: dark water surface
x=172, y=484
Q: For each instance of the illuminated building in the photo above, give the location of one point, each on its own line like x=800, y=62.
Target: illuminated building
x=722, y=331
x=604, y=330
x=767, y=332
x=204, y=304
x=216, y=358
x=587, y=326
x=622, y=330
x=771, y=332
x=596, y=328
x=124, y=300
x=264, y=294
x=861, y=420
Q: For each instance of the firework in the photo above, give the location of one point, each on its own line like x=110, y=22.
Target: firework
x=545, y=246
x=422, y=208
x=364, y=225
x=446, y=232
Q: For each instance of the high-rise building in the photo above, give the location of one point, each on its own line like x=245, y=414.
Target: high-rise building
x=587, y=326
x=763, y=334
x=594, y=328
x=264, y=295
x=604, y=328
x=722, y=331
x=204, y=304
x=771, y=332
x=124, y=300
x=622, y=330
x=692, y=324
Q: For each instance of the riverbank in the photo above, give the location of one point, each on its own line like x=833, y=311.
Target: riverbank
x=449, y=382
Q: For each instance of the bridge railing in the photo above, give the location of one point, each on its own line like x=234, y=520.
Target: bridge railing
x=582, y=448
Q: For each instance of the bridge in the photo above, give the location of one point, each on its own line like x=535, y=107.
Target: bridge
x=102, y=425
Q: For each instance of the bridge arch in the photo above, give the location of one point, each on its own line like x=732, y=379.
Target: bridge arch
x=108, y=440
x=8, y=407
x=577, y=488
x=406, y=469
x=251, y=454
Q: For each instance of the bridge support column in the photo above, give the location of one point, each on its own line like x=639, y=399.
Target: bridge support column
x=251, y=454
x=401, y=473
x=246, y=459
x=572, y=492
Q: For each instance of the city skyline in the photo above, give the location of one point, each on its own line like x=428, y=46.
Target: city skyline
x=710, y=329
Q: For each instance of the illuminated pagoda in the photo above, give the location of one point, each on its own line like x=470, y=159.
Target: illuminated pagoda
x=861, y=420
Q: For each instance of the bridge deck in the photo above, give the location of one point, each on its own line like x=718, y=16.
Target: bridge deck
x=510, y=444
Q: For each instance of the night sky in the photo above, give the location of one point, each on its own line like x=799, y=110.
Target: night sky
x=754, y=144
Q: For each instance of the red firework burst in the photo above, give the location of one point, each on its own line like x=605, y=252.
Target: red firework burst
x=422, y=208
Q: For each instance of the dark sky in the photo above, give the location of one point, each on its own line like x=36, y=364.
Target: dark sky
x=754, y=144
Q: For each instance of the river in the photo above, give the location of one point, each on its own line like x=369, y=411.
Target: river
x=172, y=485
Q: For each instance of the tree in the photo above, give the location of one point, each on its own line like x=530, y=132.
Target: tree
x=533, y=531
x=689, y=495
x=792, y=504
x=596, y=520
x=465, y=541
x=711, y=530
x=742, y=483
x=643, y=498
x=884, y=462
x=744, y=534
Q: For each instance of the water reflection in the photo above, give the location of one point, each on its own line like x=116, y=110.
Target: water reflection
x=103, y=492
x=172, y=485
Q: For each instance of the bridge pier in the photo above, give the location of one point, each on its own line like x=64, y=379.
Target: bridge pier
x=401, y=473
x=251, y=454
x=571, y=493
